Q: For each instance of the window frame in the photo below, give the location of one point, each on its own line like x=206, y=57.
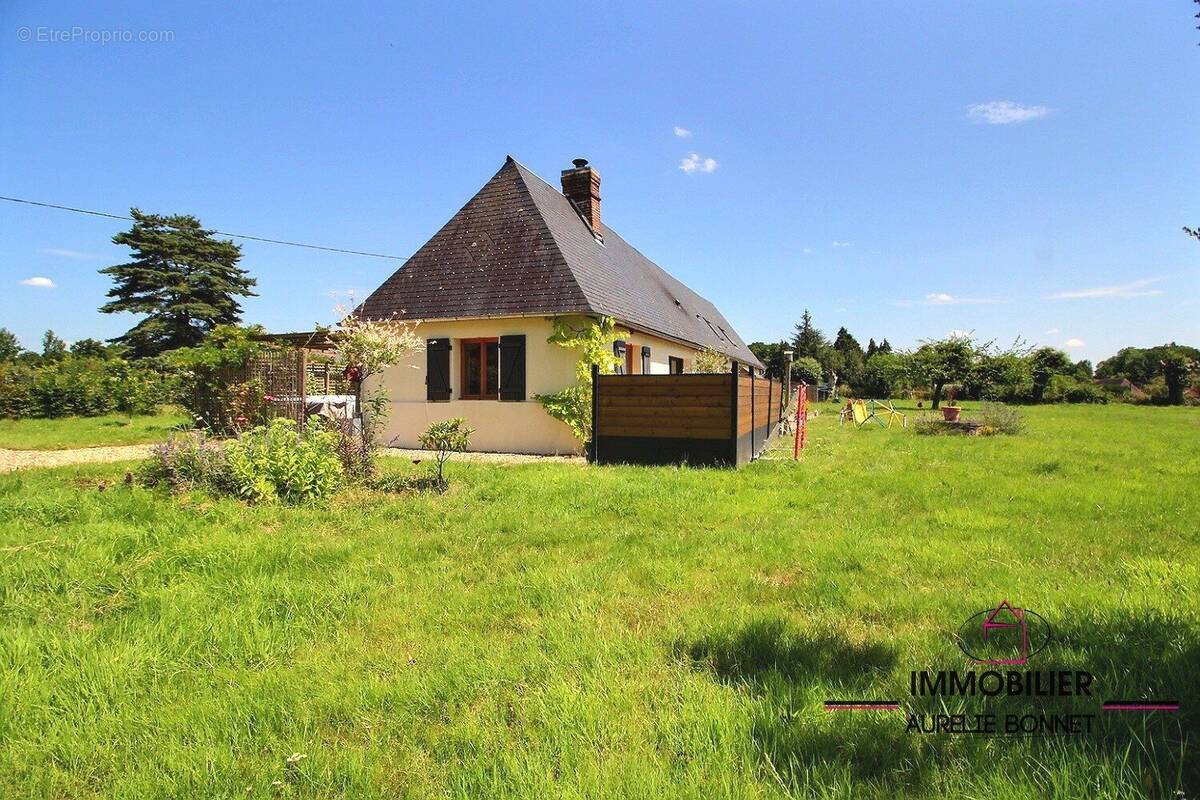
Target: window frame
x=672, y=362
x=482, y=343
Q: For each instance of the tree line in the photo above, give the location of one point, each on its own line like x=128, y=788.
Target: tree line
x=1166, y=374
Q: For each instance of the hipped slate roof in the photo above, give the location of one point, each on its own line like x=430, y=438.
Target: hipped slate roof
x=519, y=247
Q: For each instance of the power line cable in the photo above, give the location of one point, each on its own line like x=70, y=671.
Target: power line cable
x=222, y=233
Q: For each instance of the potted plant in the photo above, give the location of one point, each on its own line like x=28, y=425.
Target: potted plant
x=951, y=410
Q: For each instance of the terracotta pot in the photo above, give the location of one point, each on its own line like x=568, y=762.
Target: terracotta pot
x=950, y=413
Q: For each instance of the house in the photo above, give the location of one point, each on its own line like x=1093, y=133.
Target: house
x=487, y=288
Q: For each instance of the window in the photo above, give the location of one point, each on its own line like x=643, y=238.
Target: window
x=480, y=369
x=675, y=365
x=645, y=360
x=619, y=352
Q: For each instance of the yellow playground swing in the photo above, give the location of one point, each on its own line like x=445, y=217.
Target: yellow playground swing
x=881, y=412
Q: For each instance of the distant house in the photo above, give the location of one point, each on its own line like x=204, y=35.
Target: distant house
x=1124, y=386
x=487, y=287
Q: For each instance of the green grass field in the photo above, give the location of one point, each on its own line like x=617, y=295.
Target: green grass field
x=71, y=432
x=555, y=630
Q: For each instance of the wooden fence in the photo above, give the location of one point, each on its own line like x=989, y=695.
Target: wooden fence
x=699, y=419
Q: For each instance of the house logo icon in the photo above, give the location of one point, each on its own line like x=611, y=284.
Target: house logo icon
x=1006, y=635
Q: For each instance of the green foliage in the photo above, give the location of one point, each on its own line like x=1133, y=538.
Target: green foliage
x=188, y=461
x=885, y=375
x=444, y=439
x=83, y=386
x=572, y=405
x=1000, y=376
x=847, y=359
x=709, y=360
x=53, y=348
x=1069, y=389
x=183, y=280
x=806, y=369
x=10, y=348
x=89, y=348
x=937, y=363
x=1045, y=363
x=227, y=346
x=808, y=340
x=593, y=340
x=999, y=418
x=278, y=462
x=772, y=356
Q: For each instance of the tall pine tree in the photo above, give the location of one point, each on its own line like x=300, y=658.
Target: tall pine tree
x=808, y=340
x=183, y=280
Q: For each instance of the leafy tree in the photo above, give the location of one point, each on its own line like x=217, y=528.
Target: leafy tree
x=10, y=348
x=885, y=375
x=847, y=358
x=183, y=280
x=944, y=361
x=1046, y=363
x=806, y=370
x=1176, y=364
x=871, y=348
x=53, y=348
x=808, y=340
x=885, y=348
x=89, y=348
x=772, y=357
x=1001, y=376
x=1083, y=370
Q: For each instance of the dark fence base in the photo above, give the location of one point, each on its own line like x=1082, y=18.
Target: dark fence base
x=653, y=450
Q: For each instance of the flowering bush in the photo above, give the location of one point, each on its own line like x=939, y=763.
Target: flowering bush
x=445, y=438
x=188, y=461
x=278, y=462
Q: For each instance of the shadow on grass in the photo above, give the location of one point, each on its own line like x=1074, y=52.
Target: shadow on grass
x=789, y=674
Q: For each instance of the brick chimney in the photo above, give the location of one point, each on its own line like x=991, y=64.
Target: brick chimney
x=581, y=185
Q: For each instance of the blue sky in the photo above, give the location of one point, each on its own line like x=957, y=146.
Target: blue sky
x=1012, y=169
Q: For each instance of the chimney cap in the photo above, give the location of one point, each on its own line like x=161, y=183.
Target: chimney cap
x=579, y=163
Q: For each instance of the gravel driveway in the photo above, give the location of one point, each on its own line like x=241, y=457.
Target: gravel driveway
x=25, y=459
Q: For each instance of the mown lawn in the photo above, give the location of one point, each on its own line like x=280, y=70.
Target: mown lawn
x=72, y=432
x=557, y=630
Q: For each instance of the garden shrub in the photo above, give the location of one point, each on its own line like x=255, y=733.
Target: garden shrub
x=85, y=386
x=279, y=462
x=188, y=461
x=999, y=418
x=445, y=438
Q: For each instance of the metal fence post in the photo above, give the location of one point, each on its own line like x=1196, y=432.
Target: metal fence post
x=595, y=411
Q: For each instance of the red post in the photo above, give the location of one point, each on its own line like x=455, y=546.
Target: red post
x=801, y=422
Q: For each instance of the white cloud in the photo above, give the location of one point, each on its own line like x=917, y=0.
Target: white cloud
x=1053, y=331
x=693, y=162
x=959, y=333
x=836, y=243
x=1075, y=343
x=1137, y=288
x=38, y=282
x=944, y=299
x=808, y=251
x=1004, y=112
x=682, y=133
x=54, y=251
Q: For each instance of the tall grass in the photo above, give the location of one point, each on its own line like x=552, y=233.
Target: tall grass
x=556, y=631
